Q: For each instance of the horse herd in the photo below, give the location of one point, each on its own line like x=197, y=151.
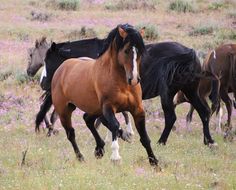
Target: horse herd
x=106, y=76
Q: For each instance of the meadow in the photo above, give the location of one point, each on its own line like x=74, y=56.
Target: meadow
x=30, y=161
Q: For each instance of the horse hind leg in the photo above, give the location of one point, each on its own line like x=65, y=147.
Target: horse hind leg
x=203, y=110
x=53, y=119
x=89, y=120
x=170, y=117
x=65, y=117
x=225, y=97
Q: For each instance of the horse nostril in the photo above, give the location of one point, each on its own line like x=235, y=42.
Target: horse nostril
x=129, y=81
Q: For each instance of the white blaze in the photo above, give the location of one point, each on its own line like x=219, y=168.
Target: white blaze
x=135, y=67
x=85, y=58
x=43, y=74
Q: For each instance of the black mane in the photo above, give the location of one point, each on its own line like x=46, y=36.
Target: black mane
x=133, y=37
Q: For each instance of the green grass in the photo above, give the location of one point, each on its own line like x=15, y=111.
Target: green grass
x=50, y=163
x=202, y=30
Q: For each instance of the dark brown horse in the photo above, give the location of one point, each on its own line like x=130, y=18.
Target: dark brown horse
x=103, y=87
x=221, y=63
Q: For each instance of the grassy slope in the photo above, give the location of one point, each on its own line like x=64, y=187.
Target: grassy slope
x=50, y=163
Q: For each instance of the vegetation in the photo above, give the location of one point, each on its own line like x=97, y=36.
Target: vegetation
x=181, y=6
x=151, y=32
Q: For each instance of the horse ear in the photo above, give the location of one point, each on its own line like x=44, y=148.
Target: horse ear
x=142, y=31
x=53, y=46
x=43, y=40
x=122, y=32
x=36, y=43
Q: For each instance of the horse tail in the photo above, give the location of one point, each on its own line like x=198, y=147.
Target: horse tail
x=232, y=59
x=47, y=103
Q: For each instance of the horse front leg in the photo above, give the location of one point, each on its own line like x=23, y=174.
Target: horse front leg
x=89, y=120
x=128, y=123
x=110, y=121
x=139, y=120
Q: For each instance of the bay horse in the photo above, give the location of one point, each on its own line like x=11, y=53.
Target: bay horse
x=221, y=62
x=103, y=87
x=54, y=56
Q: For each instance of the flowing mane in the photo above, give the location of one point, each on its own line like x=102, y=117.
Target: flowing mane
x=133, y=37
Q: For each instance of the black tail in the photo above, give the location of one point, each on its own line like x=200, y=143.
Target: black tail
x=47, y=102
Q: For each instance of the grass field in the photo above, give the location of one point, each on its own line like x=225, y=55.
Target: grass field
x=50, y=163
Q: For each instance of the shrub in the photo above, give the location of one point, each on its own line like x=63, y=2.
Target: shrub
x=131, y=5
x=216, y=5
x=151, y=31
x=21, y=77
x=5, y=74
x=181, y=6
x=232, y=14
x=82, y=33
x=202, y=30
x=42, y=17
x=64, y=4
x=226, y=35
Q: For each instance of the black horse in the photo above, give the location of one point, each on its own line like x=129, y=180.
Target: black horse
x=166, y=68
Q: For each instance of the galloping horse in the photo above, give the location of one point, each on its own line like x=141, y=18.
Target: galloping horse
x=220, y=62
x=103, y=87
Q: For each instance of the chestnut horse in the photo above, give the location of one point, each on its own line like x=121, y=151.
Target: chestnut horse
x=220, y=62
x=103, y=87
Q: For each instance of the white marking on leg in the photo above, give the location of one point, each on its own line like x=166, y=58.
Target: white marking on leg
x=135, y=68
x=115, y=151
x=175, y=101
x=220, y=115
x=129, y=127
x=43, y=74
x=214, y=54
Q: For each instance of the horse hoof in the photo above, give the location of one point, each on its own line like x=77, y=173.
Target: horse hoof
x=116, y=161
x=229, y=137
x=161, y=142
x=153, y=161
x=99, y=152
x=126, y=136
x=80, y=157
x=55, y=132
x=213, y=145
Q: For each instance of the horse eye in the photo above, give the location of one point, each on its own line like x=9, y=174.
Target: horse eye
x=127, y=51
x=31, y=55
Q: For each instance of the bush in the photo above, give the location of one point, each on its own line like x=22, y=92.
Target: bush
x=82, y=33
x=226, y=35
x=216, y=5
x=5, y=74
x=232, y=14
x=181, y=6
x=131, y=5
x=202, y=30
x=151, y=31
x=42, y=17
x=64, y=4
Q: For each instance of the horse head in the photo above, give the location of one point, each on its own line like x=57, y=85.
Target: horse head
x=36, y=56
x=128, y=45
